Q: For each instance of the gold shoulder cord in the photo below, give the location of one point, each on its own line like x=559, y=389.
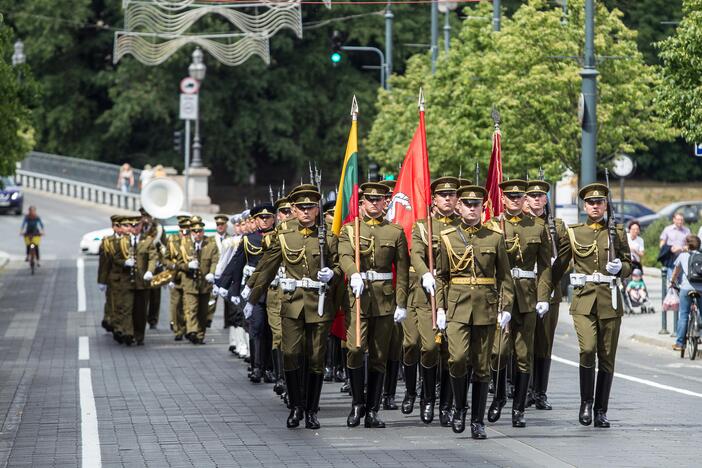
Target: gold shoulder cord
x=291, y=256
x=251, y=249
x=459, y=262
x=184, y=253
x=124, y=247
x=516, y=245
x=172, y=248
x=423, y=233
x=579, y=249
x=371, y=240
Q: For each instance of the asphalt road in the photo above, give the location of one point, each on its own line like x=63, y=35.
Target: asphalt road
x=172, y=404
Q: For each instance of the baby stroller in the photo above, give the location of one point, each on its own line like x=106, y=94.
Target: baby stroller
x=635, y=294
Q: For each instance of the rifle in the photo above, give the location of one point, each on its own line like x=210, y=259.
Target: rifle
x=322, y=236
x=611, y=236
x=132, y=255
x=550, y=222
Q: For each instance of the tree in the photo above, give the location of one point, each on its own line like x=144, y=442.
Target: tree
x=530, y=71
x=17, y=94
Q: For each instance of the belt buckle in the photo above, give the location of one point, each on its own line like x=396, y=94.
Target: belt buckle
x=597, y=276
x=306, y=283
x=473, y=280
x=515, y=273
x=370, y=275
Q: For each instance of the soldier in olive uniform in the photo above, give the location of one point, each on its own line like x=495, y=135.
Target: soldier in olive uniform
x=537, y=200
x=382, y=246
x=197, y=260
x=419, y=334
x=306, y=321
x=597, y=304
x=474, y=291
x=105, y=254
x=175, y=286
x=529, y=250
x=154, y=230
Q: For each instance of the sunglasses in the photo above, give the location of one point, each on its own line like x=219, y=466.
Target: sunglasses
x=375, y=199
x=196, y=231
x=285, y=211
x=221, y=223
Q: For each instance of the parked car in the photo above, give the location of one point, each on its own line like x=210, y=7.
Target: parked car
x=630, y=210
x=11, y=197
x=691, y=211
x=90, y=243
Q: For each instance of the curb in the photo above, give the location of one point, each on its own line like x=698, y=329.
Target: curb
x=4, y=260
x=653, y=341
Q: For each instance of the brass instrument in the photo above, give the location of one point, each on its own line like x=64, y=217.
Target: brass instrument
x=162, y=278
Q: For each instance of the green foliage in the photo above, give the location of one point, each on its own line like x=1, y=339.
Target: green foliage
x=528, y=71
x=17, y=95
x=679, y=93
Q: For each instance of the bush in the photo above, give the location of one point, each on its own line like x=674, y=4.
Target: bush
x=651, y=238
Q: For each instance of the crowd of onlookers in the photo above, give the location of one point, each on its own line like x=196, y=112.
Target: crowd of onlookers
x=126, y=180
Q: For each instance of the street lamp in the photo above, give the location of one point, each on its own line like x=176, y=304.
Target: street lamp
x=197, y=70
x=18, y=58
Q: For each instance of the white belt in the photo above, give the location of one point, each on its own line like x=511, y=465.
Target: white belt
x=519, y=273
x=375, y=276
x=579, y=279
x=289, y=284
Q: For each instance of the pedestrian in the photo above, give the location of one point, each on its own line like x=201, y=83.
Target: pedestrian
x=636, y=244
x=125, y=179
x=597, y=307
x=672, y=242
x=145, y=177
x=681, y=278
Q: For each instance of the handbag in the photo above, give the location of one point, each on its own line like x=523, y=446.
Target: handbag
x=671, y=301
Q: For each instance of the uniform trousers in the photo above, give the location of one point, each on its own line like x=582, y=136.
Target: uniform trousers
x=304, y=341
x=519, y=338
x=195, y=306
x=598, y=339
x=177, y=312
x=470, y=345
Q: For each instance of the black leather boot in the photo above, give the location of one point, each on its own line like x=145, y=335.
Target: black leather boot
x=358, y=408
x=587, y=388
x=477, y=410
x=294, y=379
x=521, y=385
x=390, y=385
x=446, y=398
x=257, y=372
x=375, y=390
x=428, y=397
x=604, y=385
x=340, y=362
x=500, y=399
x=279, y=385
x=410, y=389
x=531, y=392
x=460, y=393
x=544, y=367
x=314, y=390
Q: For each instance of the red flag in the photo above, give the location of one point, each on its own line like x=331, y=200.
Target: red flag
x=412, y=195
x=493, y=197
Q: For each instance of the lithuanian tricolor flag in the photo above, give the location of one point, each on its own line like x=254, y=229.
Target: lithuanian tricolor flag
x=346, y=208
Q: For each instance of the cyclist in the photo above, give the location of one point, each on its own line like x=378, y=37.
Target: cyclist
x=32, y=229
x=692, y=243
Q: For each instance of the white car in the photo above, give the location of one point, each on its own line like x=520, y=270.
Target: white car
x=90, y=243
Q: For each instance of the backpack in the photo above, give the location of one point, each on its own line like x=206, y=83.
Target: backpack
x=694, y=267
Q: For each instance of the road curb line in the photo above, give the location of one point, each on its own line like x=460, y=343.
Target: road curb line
x=651, y=341
x=4, y=259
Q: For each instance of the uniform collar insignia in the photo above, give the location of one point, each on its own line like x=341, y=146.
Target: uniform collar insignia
x=471, y=229
x=372, y=221
x=306, y=231
x=444, y=219
x=595, y=225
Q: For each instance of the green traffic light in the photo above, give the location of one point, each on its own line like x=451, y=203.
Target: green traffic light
x=335, y=57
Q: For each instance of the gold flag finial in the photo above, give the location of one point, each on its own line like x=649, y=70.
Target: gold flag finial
x=420, y=102
x=354, y=108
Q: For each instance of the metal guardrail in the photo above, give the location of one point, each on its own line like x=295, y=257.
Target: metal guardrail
x=76, y=169
x=80, y=190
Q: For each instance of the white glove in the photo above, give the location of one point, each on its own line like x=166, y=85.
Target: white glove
x=441, y=319
x=248, y=310
x=102, y=287
x=503, y=318
x=245, y=293
x=223, y=292
x=171, y=285
x=614, y=266
x=541, y=308
x=148, y=276
x=325, y=275
x=209, y=277
x=400, y=314
x=428, y=283
x=193, y=264
x=215, y=290
x=236, y=300
x=356, y=283
x=129, y=262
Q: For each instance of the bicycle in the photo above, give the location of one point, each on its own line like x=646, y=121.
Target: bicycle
x=32, y=242
x=692, y=333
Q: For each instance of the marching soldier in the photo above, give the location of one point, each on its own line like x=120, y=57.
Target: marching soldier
x=197, y=260
x=105, y=254
x=175, y=286
x=419, y=334
x=236, y=275
x=382, y=247
x=306, y=322
x=474, y=291
x=336, y=347
x=529, y=251
x=152, y=229
x=223, y=242
x=226, y=252
x=600, y=257
x=537, y=200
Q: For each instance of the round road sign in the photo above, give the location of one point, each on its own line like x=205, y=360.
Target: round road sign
x=189, y=85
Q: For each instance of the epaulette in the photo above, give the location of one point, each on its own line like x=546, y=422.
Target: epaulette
x=396, y=226
x=493, y=225
x=447, y=230
x=573, y=226
x=538, y=220
x=285, y=230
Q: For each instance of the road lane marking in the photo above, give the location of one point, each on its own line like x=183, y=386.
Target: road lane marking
x=80, y=284
x=630, y=378
x=83, y=348
x=88, y=422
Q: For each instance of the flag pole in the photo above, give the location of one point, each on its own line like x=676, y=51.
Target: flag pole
x=430, y=234
x=357, y=241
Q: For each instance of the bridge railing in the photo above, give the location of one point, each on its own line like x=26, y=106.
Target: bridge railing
x=80, y=190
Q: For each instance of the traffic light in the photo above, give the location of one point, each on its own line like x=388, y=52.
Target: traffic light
x=337, y=41
x=373, y=175
x=178, y=141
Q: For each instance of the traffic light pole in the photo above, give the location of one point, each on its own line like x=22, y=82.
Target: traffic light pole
x=388, y=45
x=434, y=34
x=496, y=18
x=588, y=157
x=187, y=164
x=383, y=64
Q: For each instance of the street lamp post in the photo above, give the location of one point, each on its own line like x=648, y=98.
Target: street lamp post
x=434, y=34
x=588, y=112
x=496, y=15
x=388, y=45
x=197, y=70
